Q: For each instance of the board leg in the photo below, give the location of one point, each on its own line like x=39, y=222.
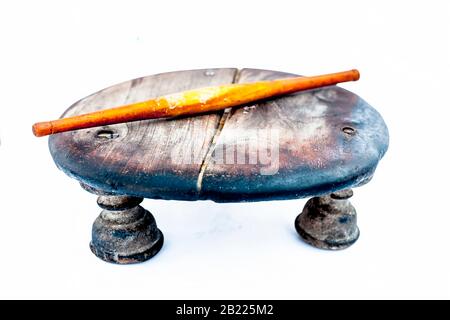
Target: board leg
x=329, y=222
x=124, y=232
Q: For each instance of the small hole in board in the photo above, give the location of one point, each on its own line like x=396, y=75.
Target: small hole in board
x=349, y=130
x=107, y=134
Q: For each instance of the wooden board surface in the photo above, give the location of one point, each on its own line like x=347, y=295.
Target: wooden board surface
x=290, y=147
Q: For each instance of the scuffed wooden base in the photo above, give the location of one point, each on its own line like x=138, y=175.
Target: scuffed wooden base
x=124, y=232
x=110, y=256
x=329, y=222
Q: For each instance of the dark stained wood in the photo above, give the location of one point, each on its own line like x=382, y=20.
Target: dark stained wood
x=313, y=153
x=325, y=140
x=146, y=153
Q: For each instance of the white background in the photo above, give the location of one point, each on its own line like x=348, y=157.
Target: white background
x=53, y=53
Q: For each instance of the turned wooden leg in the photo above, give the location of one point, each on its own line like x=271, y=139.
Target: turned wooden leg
x=124, y=232
x=329, y=222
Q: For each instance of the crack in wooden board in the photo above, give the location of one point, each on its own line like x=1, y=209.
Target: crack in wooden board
x=153, y=152
x=315, y=155
x=225, y=116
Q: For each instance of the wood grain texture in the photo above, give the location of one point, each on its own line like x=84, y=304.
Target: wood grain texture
x=305, y=131
x=146, y=154
x=326, y=140
x=192, y=102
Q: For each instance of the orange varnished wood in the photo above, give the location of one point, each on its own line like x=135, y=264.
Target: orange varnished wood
x=193, y=102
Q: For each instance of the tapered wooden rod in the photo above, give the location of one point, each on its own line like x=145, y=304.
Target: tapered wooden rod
x=193, y=102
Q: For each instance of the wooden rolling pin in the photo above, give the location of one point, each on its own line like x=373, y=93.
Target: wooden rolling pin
x=193, y=102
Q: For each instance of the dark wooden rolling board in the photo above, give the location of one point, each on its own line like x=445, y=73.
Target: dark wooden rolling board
x=304, y=144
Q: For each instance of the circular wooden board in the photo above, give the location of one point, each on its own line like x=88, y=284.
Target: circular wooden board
x=303, y=144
